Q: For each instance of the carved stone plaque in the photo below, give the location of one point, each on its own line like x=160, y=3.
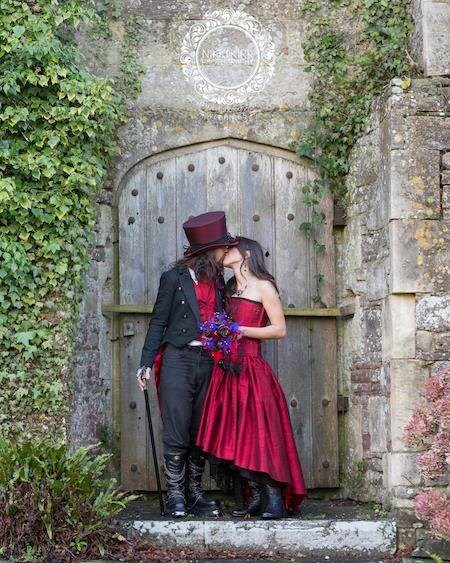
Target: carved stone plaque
x=228, y=56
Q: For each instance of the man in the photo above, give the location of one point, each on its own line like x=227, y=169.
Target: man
x=189, y=293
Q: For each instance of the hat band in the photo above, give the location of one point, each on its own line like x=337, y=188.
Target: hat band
x=224, y=239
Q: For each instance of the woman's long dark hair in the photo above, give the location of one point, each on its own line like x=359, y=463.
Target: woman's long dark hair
x=256, y=263
x=204, y=265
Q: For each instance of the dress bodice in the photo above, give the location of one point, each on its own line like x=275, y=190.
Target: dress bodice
x=247, y=312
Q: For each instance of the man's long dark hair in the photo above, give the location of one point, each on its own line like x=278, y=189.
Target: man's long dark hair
x=204, y=265
x=256, y=263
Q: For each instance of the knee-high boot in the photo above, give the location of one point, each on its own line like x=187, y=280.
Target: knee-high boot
x=198, y=502
x=175, y=471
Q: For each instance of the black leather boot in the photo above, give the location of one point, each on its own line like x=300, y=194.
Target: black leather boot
x=274, y=503
x=175, y=470
x=253, y=507
x=198, y=502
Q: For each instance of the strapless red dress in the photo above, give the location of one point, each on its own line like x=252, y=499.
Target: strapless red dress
x=245, y=418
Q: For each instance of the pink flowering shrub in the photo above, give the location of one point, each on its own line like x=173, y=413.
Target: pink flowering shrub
x=429, y=429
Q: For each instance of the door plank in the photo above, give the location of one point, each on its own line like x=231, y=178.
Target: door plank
x=134, y=458
x=191, y=192
x=257, y=215
x=132, y=239
x=132, y=282
x=324, y=416
x=293, y=258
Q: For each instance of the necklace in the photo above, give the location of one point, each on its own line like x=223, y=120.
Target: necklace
x=239, y=292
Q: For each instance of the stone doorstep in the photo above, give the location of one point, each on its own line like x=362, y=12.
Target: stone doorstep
x=288, y=535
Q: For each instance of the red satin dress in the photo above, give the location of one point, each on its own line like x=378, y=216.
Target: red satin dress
x=245, y=418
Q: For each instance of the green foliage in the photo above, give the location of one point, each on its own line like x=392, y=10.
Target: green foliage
x=54, y=501
x=354, y=48
x=127, y=80
x=58, y=127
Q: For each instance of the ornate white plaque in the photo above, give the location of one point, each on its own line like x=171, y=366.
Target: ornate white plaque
x=227, y=56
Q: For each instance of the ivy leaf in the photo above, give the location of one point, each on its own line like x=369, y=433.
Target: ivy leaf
x=24, y=337
x=406, y=83
x=306, y=229
x=18, y=30
x=53, y=141
x=306, y=149
x=61, y=268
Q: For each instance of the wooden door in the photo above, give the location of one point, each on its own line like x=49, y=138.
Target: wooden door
x=259, y=188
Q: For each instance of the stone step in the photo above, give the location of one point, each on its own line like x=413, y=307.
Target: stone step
x=288, y=536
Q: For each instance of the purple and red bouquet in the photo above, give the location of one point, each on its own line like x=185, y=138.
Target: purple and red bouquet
x=219, y=336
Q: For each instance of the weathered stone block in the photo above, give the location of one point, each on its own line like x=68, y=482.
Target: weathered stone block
x=419, y=256
x=375, y=245
x=402, y=502
x=393, y=130
x=370, y=336
x=398, y=314
x=349, y=261
x=437, y=367
x=424, y=344
x=365, y=159
x=103, y=227
x=433, y=313
x=288, y=536
x=429, y=545
x=436, y=39
x=415, y=183
x=378, y=420
x=378, y=204
x=377, y=280
x=404, y=492
x=407, y=380
x=354, y=425
x=430, y=132
x=446, y=202
x=441, y=348
x=402, y=470
x=446, y=161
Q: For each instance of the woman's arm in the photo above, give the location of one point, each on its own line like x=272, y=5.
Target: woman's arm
x=272, y=304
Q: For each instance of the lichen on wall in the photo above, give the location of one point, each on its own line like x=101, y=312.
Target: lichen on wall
x=392, y=268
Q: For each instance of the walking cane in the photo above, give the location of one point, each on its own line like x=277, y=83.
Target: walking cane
x=155, y=459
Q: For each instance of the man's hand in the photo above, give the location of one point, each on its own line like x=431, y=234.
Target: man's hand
x=143, y=374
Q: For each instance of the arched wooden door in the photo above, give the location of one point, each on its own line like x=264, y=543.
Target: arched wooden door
x=259, y=188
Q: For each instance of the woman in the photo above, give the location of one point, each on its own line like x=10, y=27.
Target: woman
x=245, y=419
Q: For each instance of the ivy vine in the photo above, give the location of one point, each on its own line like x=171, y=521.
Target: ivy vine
x=58, y=134
x=354, y=48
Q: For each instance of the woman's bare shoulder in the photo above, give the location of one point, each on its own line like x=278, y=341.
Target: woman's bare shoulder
x=266, y=288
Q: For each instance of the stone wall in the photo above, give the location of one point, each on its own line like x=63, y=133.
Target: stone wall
x=391, y=268
x=92, y=412
x=393, y=271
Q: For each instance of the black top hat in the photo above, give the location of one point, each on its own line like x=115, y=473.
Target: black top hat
x=207, y=231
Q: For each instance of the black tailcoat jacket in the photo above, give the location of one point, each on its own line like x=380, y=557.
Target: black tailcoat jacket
x=176, y=314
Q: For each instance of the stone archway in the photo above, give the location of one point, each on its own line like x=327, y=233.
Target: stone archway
x=259, y=188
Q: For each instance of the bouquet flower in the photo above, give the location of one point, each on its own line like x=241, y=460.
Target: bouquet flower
x=219, y=336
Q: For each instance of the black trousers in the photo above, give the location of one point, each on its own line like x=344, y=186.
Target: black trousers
x=185, y=374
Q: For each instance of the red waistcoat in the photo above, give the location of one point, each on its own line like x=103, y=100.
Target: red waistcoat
x=205, y=291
